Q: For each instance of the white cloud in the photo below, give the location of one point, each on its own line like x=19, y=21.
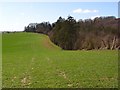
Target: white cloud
x=95, y=16
x=22, y=13
x=79, y=10
x=95, y=10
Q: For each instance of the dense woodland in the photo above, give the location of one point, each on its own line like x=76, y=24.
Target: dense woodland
x=69, y=34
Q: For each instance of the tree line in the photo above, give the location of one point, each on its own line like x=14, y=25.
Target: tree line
x=88, y=34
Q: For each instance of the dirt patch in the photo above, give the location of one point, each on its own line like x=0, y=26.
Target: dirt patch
x=47, y=44
x=25, y=81
x=62, y=73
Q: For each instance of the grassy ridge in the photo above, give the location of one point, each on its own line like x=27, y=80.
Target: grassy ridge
x=31, y=60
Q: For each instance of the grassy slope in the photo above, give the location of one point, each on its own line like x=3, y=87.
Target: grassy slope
x=31, y=60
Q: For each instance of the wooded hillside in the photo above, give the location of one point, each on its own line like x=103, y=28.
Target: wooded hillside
x=69, y=34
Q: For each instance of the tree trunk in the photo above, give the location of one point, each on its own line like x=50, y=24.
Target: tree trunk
x=113, y=43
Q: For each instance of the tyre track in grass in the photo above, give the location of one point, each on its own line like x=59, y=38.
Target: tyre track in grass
x=26, y=77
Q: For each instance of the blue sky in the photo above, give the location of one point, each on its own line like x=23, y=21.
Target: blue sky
x=16, y=15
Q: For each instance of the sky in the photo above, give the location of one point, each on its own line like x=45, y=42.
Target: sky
x=14, y=16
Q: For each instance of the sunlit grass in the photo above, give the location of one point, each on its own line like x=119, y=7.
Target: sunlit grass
x=31, y=60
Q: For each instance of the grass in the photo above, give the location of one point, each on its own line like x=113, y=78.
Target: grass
x=0, y=61
x=31, y=60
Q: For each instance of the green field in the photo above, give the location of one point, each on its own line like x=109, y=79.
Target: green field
x=0, y=60
x=31, y=60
